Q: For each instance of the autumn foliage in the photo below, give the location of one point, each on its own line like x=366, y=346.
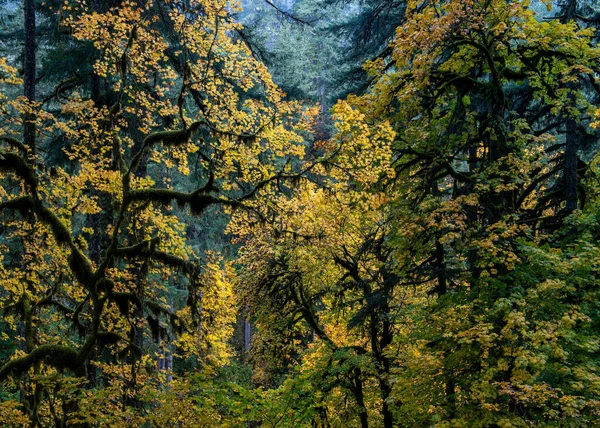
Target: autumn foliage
x=432, y=262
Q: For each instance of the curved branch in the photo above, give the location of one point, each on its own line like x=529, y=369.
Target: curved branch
x=12, y=162
x=197, y=200
x=79, y=263
x=61, y=357
x=16, y=144
x=287, y=15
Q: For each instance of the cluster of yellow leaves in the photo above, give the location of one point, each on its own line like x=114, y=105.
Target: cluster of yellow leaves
x=215, y=328
x=365, y=150
x=8, y=76
x=166, y=402
x=10, y=414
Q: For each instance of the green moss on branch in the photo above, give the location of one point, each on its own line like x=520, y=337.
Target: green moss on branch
x=11, y=162
x=58, y=356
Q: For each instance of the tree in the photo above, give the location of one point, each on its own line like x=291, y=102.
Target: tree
x=475, y=226
x=319, y=271
x=207, y=105
x=475, y=90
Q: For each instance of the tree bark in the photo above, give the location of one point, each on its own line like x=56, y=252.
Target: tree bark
x=571, y=179
x=247, y=335
x=29, y=72
x=569, y=13
x=360, y=398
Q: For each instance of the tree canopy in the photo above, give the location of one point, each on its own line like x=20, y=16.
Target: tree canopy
x=299, y=213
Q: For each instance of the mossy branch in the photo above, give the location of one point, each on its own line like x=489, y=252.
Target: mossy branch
x=186, y=266
x=11, y=162
x=106, y=338
x=197, y=200
x=172, y=137
x=169, y=138
x=16, y=144
x=27, y=204
x=58, y=356
x=79, y=263
x=61, y=307
x=22, y=204
x=146, y=249
x=140, y=249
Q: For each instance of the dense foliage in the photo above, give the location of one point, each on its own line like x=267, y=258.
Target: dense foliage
x=184, y=244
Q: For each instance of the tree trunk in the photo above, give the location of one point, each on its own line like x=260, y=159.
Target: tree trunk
x=360, y=399
x=571, y=179
x=247, y=335
x=29, y=65
x=569, y=13
x=442, y=287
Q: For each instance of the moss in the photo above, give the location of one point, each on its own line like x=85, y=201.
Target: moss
x=105, y=284
x=187, y=267
x=122, y=300
x=199, y=202
x=168, y=138
x=161, y=196
x=155, y=328
x=16, y=144
x=81, y=268
x=173, y=137
x=132, y=349
x=22, y=204
x=156, y=308
x=27, y=204
x=59, y=230
x=142, y=249
x=58, y=356
x=157, y=311
x=106, y=338
x=11, y=162
x=77, y=326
